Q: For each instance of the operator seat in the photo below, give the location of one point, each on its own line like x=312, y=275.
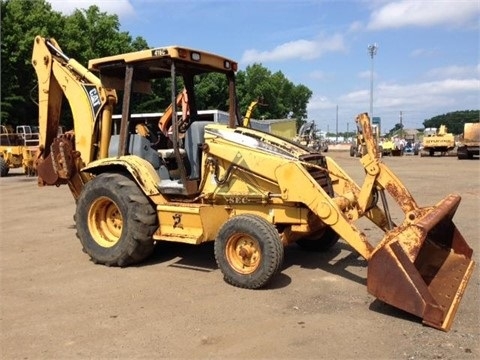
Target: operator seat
x=139, y=146
x=194, y=138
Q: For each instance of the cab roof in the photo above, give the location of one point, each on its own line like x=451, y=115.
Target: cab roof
x=160, y=59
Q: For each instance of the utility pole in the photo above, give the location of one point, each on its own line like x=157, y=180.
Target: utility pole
x=336, y=127
x=401, y=125
x=372, y=51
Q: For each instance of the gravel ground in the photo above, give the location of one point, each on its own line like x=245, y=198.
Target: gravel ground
x=56, y=304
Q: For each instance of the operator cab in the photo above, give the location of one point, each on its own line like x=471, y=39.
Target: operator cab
x=168, y=76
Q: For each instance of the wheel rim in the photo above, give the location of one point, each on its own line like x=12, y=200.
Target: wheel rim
x=105, y=222
x=243, y=253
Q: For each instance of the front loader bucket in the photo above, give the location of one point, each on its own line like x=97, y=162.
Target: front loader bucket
x=423, y=266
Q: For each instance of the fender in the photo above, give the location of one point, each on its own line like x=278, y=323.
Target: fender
x=141, y=170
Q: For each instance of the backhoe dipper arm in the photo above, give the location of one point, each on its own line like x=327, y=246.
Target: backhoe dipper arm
x=166, y=120
x=251, y=107
x=60, y=159
x=248, y=115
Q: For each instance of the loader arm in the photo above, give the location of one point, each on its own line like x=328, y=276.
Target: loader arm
x=60, y=159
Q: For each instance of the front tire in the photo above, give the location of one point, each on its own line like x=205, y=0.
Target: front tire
x=115, y=221
x=352, y=151
x=3, y=167
x=248, y=251
x=462, y=153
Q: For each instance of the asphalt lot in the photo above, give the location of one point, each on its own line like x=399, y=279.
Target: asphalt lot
x=56, y=304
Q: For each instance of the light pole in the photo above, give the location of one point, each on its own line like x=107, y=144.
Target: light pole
x=372, y=51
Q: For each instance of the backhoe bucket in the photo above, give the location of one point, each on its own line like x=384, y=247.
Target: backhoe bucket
x=424, y=265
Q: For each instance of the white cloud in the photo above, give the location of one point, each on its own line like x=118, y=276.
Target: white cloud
x=423, y=53
x=459, y=72
x=320, y=102
x=318, y=75
x=425, y=13
x=298, y=49
x=356, y=26
x=118, y=7
x=366, y=74
x=421, y=96
x=417, y=101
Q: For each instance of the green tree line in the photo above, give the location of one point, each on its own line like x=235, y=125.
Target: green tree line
x=90, y=33
x=454, y=121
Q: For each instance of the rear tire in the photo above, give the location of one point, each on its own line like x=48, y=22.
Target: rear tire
x=380, y=150
x=3, y=167
x=115, y=221
x=248, y=251
x=462, y=153
x=360, y=151
x=352, y=151
x=321, y=241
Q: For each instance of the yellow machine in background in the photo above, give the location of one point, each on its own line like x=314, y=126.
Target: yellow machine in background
x=469, y=144
x=248, y=114
x=307, y=136
x=386, y=147
x=250, y=192
x=17, y=150
x=358, y=147
x=434, y=141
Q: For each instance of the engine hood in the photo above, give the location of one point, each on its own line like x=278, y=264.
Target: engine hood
x=258, y=140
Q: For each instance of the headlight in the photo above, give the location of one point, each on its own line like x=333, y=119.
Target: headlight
x=195, y=56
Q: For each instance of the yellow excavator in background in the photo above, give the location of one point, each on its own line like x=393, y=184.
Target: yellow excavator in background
x=437, y=141
x=250, y=192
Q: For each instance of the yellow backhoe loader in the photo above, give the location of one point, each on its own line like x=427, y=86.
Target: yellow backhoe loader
x=249, y=192
x=17, y=150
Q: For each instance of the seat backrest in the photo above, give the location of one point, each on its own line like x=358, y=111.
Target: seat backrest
x=194, y=137
x=139, y=146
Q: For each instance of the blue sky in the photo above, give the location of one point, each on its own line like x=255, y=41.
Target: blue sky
x=427, y=62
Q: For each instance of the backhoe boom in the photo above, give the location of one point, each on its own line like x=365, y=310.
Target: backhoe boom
x=59, y=160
